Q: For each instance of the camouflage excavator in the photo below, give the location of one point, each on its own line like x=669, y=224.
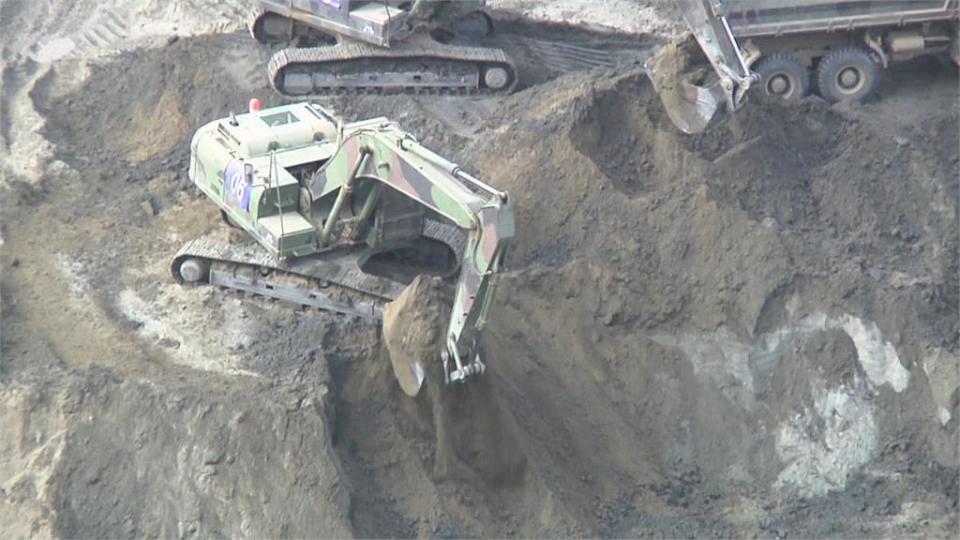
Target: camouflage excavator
x=345, y=215
x=788, y=48
x=380, y=46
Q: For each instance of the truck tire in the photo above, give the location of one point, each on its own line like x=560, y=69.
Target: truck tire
x=783, y=77
x=849, y=74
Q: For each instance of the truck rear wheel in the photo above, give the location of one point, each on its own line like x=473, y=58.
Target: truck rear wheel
x=783, y=77
x=849, y=74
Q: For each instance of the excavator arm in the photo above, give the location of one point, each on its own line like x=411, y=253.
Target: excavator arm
x=385, y=154
x=690, y=105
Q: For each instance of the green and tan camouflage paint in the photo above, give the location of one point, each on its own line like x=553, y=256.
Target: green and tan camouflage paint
x=394, y=161
x=394, y=158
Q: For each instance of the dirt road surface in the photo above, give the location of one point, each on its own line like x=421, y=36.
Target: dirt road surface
x=751, y=332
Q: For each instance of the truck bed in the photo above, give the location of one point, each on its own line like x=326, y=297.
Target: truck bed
x=773, y=17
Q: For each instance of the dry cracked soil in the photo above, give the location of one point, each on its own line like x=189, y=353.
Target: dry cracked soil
x=750, y=332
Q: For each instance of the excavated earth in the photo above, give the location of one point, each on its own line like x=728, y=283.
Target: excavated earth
x=751, y=332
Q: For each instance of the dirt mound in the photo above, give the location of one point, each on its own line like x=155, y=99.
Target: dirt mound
x=733, y=302
x=693, y=339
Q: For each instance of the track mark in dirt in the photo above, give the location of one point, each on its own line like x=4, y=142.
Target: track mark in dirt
x=106, y=29
x=228, y=12
x=103, y=31
x=564, y=57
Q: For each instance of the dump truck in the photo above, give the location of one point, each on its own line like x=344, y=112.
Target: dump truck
x=790, y=48
x=344, y=215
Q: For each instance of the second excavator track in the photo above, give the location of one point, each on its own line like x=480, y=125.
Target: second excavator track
x=424, y=67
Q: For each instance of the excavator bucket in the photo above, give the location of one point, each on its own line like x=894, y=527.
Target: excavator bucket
x=689, y=105
x=413, y=330
x=690, y=93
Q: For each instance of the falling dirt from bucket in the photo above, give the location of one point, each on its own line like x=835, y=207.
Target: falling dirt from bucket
x=413, y=330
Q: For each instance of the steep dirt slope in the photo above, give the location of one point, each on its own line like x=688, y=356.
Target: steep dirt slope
x=106, y=457
x=767, y=308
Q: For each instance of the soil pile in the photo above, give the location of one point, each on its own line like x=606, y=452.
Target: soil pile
x=751, y=331
x=711, y=335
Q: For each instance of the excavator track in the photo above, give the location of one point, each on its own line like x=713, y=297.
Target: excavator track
x=254, y=21
x=418, y=67
x=331, y=281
